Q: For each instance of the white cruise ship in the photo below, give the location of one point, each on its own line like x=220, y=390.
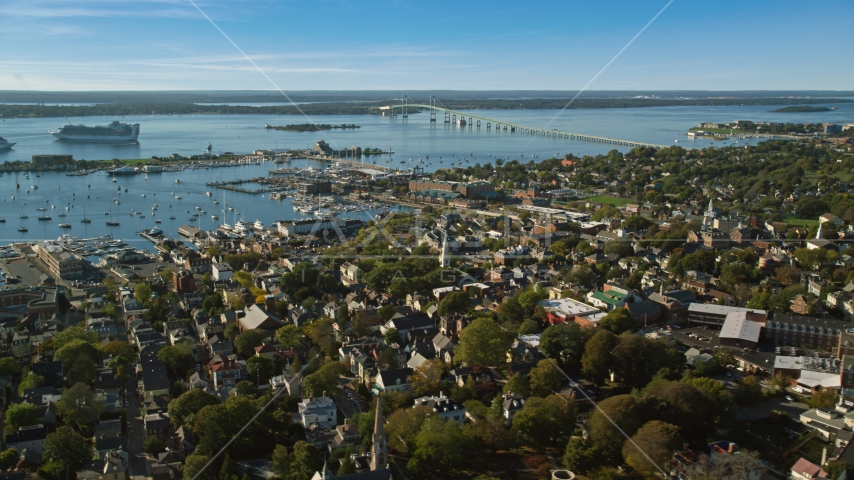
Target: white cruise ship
x=4, y=144
x=115, y=132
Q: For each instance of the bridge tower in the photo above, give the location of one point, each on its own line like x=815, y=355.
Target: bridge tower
x=405, y=106
x=432, y=109
x=447, y=117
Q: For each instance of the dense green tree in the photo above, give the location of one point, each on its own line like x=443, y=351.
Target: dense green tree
x=580, y=457
x=402, y=427
x=247, y=340
x=637, y=359
x=8, y=458
x=454, y=302
x=564, y=343
x=322, y=334
x=619, y=320
x=440, y=446
x=281, y=461
x=392, y=337
x=723, y=402
x=21, y=415
x=77, y=332
x=655, y=441
x=119, y=348
x=483, y=343
x=232, y=330
x=142, y=293
x=492, y=433
x=195, y=464
x=518, y=385
x=324, y=379
x=623, y=248
x=597, y=360
x=9, y=366
x=545, y=422
x=544, y=378
x=528, y=299
x=824, y=397
x=529, y=327
x=67, y=448
x=259, y=369
x=626, y=412
x=78, y=358
x=152, y=446
x=386, y=312
x=289, y=336
x=342, y=315
x=182, y=410
x=30, y=380
x=178, y=358
x=215, y=425
x=305, y=460
x=835, y=469
x=78, y=405
x=749, y=391
x=682, y=405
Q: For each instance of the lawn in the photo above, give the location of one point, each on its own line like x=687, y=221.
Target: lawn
x=801, y=222
x=616, y=201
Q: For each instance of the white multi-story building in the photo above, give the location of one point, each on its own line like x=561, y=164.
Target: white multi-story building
x=320, y=411
x=446, y=407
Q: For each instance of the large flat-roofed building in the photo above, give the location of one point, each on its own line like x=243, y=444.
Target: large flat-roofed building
x=827, y=334
x=190, y=231
x=716, y=314
x=62, y=264
x=314, y=188
x=477, y=190
x=23, y=301
x=740, y=330
x=302, y=227
x=568, y=310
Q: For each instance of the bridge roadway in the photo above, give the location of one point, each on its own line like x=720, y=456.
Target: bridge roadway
x=450, y=116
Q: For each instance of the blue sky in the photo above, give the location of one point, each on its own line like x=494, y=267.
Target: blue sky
x=464, y=45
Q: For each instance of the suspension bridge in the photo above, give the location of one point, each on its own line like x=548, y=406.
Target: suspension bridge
x=472, y=121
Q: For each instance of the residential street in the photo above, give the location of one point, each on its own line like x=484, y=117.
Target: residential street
x=138, y=462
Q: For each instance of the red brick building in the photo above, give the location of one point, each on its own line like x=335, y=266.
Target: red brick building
x=183, y=281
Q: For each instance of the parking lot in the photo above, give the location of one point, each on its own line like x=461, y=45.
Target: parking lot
x=24, y=270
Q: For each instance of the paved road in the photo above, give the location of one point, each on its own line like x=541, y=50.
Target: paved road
x=794, y=409
x=138, y=463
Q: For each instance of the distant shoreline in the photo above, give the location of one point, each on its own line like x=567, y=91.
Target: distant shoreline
x=8, y=111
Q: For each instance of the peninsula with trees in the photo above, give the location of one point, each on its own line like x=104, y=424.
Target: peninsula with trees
x=311, y=127
x=802, y=109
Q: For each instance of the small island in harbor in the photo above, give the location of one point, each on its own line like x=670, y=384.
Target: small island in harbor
x=376, y=151
x=310, y=127
x=802, y=108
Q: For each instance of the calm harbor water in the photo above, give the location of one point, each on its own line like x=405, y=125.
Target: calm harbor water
x=412, y=138
x=92, y=196
x=162, y=135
